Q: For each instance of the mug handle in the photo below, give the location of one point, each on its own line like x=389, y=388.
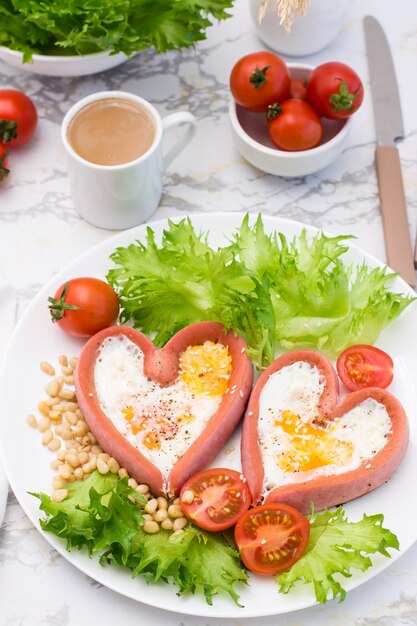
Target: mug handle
x=177, y=119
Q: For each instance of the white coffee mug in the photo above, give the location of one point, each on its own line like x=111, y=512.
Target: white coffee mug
x=121, y=196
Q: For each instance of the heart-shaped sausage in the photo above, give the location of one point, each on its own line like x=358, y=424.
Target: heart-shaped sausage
x=146, y=406
x=299, y=447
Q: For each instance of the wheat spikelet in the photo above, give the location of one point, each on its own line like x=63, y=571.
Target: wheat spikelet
x=286, y=10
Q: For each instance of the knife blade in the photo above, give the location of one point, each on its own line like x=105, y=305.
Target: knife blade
x=389, y=128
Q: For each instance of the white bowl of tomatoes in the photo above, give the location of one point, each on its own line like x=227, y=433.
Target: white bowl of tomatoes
x=291, y=120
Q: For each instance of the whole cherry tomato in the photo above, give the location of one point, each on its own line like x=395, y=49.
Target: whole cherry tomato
x=259, y=79
x=18, y=117
x=271, y=537
x=294, y=125
x=83, y=306
x=298, y=89
x=363, y=366
x=3, y=161
x=214, y=499
x=334, y=90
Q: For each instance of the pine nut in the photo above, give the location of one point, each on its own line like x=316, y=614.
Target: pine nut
x=176, y=533
x=44, y=424
x=73, y=362
x=71, y=406
x=113, y=465
x=63, y=360
x=79, y=414
x=71, y=443
x=47, y=368
x=143, y=488
x=96, y=449
x=58, y=482
x=162, y=503
x=32, y=421
x=147, y=516
x=59, y=495
x=46, y=437
x=52, y=388
x=83, y=457
x=177, y=501
x=188, y=496
x=66, y=370
x=150, y=506
x=123, y=473
x=80, y=429
x=66, y=433
x=54, y=444
x=166, y=524
x=150, y=527
x=91, y=438
x=102, y=466
x=160, y=515
x=52, y=401
x=175, y=511
x=64, y=471
x=61, y=454
x=78, y=473
x=66, y=394
x=72, y=458
x=55, y=416
x=70, y=417
x=55, y=464
x=43, y=408
x=179, y=523
x=133, y=483
x=69, y=380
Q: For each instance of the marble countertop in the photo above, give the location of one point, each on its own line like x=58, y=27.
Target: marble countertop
x=40, y=232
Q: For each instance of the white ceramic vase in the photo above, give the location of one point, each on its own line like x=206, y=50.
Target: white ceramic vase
x=310, y=33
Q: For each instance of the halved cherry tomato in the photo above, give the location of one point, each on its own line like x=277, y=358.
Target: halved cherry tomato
x=294, y=125
x=271, y=538
x=363, y=366
x=83, y=306
x=214, y=499
x=259, y=79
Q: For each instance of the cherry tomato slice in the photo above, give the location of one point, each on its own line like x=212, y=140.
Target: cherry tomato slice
x=214, y=499
x=271, y=538
x=363, y=366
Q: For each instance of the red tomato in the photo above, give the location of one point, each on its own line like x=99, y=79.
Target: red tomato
x=294, y=125
x=259, y=79
x=271, y=537
x=334, y=90
x=214, y=499
x=298, y=89
x=365, y=366
x=18, y=117
x=83, y=306
x=3, y=162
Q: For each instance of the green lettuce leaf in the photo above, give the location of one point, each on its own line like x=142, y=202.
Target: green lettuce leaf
x=274, y=292
x=88, y=26
x=98, y=514
x=337, y=546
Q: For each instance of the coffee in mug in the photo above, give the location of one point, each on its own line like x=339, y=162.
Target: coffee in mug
x=111, y=131
x=116, y=159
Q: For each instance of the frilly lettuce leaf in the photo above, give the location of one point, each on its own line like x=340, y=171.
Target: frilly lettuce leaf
x=337, y=546
x=274, y=292
x=98, y=514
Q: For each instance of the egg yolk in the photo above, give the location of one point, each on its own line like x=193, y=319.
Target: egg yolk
x=310, y=446
x=206, y=368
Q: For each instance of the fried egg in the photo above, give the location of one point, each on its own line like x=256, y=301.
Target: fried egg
x=298, y=445
x=161, y=422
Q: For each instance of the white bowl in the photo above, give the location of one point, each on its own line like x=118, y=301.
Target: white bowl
x=250, y=133
x=64, y=66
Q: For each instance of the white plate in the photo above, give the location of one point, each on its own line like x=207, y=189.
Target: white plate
x=27, y=461
x=64, y=66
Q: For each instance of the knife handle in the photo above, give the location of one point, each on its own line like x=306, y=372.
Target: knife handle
x=394, y=213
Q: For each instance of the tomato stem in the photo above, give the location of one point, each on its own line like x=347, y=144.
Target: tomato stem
x=8, y=130
x=343, y=101
x=58, y=306
x=3, y=170
x=258, y=77
x=273, y=111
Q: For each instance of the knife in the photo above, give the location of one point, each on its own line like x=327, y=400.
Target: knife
x=389, y=128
